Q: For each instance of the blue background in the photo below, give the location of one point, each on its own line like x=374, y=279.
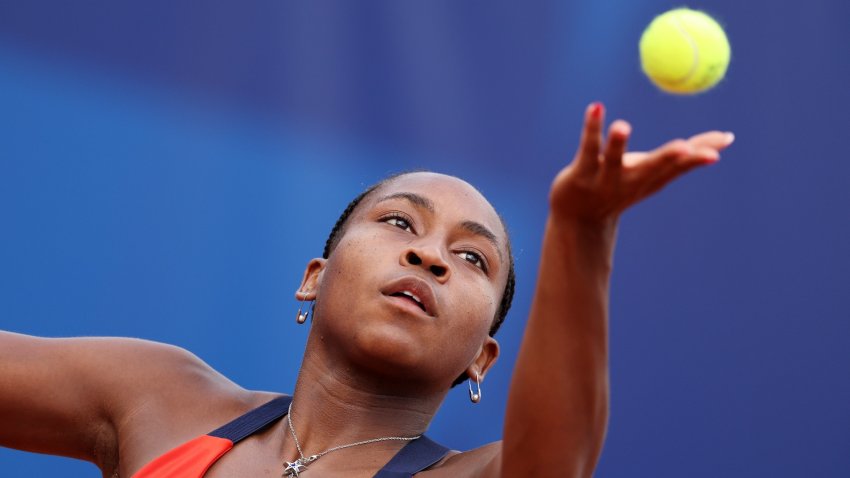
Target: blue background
x=168, y=168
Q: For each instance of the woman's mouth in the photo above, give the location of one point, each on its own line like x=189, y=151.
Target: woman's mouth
x=411, y=291
x=410, y=295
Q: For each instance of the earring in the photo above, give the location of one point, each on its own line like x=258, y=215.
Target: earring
x=473, y=396
x=301, y=317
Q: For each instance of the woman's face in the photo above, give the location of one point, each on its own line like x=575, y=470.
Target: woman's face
x=413, y=285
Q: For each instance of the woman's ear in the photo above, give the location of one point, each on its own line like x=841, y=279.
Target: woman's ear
x=311, y=280
x=486, y=358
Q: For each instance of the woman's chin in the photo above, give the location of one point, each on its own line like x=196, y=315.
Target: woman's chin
x=396, y=354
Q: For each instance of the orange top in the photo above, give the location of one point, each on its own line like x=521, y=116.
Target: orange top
x=189, y=460
x=193, y=458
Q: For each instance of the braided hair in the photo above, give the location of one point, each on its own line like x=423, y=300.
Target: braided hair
x=339, y=230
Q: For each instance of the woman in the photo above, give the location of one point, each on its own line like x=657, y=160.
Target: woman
x=416, y=277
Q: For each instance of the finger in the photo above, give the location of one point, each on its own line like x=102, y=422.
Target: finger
x=662, y=163
x=717, y=140
x=703, y=155
x=591, y=138
x=660, y=155
x=675, y=165
x=633, y=158
x=618, y=137
x=665, y=155
x=659, y=182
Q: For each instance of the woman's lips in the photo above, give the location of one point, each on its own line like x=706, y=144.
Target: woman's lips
x=407, y=306
x=413, y=292
x=411, y=296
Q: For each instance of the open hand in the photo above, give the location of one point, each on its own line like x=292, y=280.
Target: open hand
x=603, y=179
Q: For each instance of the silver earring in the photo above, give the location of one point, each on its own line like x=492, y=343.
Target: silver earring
x=301, y=317
x=475, y=397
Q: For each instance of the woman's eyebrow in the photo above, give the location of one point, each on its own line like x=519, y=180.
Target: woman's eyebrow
x=415, y=199
x=481, y=230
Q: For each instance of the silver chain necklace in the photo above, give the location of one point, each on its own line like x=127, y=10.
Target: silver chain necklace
x=300, y=465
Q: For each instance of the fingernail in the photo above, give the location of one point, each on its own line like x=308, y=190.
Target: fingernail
x=596, y=110
x=730, y=137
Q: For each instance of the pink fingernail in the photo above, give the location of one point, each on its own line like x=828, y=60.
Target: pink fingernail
x=596, y=110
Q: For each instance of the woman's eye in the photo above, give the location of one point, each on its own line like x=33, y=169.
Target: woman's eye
x=473, y=259
x=400, y=223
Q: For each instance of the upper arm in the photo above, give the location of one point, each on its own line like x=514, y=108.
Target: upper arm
x=69, y=396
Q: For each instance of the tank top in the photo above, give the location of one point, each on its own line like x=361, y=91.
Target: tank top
x=193, y=458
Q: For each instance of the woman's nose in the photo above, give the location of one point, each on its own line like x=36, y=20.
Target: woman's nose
x=431, y=261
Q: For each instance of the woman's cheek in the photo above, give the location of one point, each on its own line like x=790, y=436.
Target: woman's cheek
x=354, y=254
x=477, y=307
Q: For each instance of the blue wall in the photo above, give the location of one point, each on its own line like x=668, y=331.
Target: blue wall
x=166, y=171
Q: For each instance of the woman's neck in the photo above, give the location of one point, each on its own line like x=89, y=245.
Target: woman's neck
x=334, y=405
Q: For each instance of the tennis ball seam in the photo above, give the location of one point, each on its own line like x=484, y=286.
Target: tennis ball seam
x=677, y=22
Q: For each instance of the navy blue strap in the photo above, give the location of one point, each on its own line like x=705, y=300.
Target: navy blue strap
x=254, y=421
x=413, y=458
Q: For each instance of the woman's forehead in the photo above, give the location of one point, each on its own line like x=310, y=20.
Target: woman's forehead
x=445, y=193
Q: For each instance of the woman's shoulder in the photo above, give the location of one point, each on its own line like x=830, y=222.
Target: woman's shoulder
x=170, y=396
x=115, y=398
x=133, y=370
x=155, y=378
x=479, y=462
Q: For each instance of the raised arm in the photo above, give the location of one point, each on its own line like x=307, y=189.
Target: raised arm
x=558, y=403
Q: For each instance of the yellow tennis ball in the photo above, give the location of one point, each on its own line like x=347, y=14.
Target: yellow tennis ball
x=684, y=51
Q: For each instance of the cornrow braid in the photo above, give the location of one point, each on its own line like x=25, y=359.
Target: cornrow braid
x=339, y=230
x=507, y=298
x=339, y=227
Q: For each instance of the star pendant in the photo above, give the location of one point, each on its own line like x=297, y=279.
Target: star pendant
x=294, y=468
